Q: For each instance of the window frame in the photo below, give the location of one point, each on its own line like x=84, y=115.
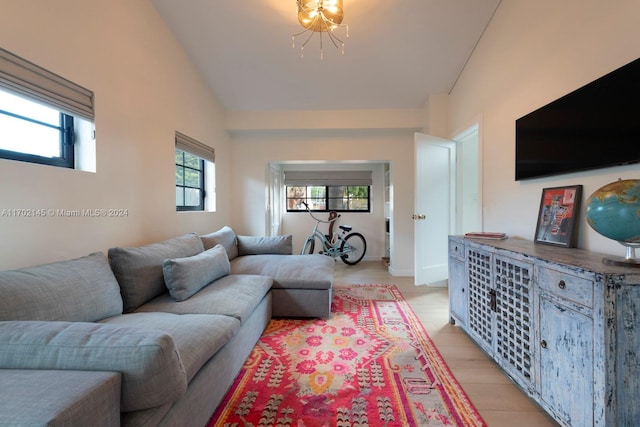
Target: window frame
x=74, y=103
x=201, y=185
x=327, y=198
x=66, y=141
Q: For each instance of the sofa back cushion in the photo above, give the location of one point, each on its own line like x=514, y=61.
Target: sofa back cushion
x=260, y=245
x=78, y=290
x=186, y=276
x=225, y=237
x=139, y=270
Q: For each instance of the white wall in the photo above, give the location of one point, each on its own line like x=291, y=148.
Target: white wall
x=532, y=53
x=145, y=90
x=252, y=151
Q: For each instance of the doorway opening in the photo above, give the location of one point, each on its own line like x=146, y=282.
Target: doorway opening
x=468, y=180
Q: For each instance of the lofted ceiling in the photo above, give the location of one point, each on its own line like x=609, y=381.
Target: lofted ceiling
x=398, y=52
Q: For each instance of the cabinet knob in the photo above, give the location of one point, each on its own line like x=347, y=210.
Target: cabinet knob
x=561, y=284
x=543, y=343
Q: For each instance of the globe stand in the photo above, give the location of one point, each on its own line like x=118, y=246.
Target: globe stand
x=629, y=260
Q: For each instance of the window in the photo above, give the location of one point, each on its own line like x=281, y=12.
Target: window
x=43, y=117
x=35, y=133
x=189, y=182
x=194, y=169
x=330, y=190
x=344, y=198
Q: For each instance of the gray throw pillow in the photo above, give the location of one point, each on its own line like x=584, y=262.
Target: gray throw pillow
x=257, y=245
x=225, y=237
x=186, y=276
x=139, y=270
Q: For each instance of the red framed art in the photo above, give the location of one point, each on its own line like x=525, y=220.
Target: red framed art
x=557, y=218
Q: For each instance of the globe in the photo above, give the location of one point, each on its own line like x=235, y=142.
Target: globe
x=614, y=212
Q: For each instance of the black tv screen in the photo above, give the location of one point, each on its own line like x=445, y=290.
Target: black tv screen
x=593, y=127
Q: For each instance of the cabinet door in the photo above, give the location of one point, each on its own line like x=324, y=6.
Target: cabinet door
x=457, y=292
x=566, y=362
x=513, y=283
x=480, y=296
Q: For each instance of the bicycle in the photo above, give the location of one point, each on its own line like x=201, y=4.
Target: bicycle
x=350, y=247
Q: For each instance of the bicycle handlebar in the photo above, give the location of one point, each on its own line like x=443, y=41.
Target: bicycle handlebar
x=318, y=219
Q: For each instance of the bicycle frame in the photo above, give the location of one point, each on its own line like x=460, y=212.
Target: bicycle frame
x=336, y=247
x=328, y=247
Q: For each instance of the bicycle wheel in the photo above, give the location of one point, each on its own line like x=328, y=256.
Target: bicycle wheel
x=309, y=246
x=353, y=248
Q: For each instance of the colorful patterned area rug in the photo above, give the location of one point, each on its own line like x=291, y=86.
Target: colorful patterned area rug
x=371, y=364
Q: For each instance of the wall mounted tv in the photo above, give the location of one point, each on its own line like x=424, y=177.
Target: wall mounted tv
x=593, y=127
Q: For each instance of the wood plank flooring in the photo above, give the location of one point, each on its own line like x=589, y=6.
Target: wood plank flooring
x=499, y=401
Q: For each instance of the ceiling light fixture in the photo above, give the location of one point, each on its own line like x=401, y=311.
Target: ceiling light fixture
x=320, y=16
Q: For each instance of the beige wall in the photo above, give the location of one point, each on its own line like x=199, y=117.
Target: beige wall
x=145, y=89
x=532, y=53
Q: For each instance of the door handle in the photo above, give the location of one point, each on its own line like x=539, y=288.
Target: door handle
x=414, y=216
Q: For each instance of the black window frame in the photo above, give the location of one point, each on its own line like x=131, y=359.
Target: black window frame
x=201, y=186
x=327, y=192
x=67, y=141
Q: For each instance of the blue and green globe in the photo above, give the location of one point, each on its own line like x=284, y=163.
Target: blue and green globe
x=614, y=211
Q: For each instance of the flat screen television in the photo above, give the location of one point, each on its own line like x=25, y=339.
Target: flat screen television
x=595, y=126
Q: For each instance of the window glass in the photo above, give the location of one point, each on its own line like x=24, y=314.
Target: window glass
x=33, y=132
x=190, y=173
x=329, y=198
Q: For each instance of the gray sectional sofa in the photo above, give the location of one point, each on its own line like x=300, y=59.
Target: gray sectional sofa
x=151, y=336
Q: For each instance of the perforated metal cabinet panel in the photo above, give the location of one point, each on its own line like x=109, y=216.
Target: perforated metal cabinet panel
x=480, y=294
x=513, y=282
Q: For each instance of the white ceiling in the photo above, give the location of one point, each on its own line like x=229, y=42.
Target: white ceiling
x=398, y=53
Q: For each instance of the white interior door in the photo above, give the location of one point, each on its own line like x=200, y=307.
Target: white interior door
x=434, y=213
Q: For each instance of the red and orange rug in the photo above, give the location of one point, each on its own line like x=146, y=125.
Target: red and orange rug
x=371, y=364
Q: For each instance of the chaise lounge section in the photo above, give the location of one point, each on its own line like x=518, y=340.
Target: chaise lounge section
x=302, y=284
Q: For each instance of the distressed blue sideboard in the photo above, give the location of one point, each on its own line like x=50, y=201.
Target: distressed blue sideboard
x=558, y=321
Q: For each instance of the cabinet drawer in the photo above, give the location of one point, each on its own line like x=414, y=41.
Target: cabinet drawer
x=566, y=286
x=456, y=249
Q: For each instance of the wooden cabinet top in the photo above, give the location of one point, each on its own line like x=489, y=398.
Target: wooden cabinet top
x=574, y=257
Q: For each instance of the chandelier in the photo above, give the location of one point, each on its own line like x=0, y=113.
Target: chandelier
x=320, y=16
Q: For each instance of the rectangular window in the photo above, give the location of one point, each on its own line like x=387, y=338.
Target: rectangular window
x=189, y=182
x=42, y=115
x=35, y=133
x=328, y=190
x=194, y=169
x=342, y=198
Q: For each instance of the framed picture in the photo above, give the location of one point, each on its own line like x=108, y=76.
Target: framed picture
x=557, y=218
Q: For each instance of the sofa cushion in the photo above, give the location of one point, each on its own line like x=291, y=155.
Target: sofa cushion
x=139, y=270
x=80, y=290
x=148, y=360
x=225, y=237
x=186, y=276
x=197, y=337
x=256, y=245
x=292, y=271
x=59, y=398
x=234, y=295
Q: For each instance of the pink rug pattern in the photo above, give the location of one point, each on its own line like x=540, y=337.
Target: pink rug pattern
x=370, y=364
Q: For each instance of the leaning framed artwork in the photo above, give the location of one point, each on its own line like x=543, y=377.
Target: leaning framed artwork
x=557, y=217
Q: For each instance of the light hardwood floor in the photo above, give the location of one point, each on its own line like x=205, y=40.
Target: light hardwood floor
x=499, y=401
